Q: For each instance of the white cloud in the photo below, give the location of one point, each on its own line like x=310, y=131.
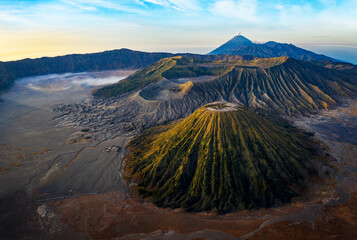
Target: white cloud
x=12, y=17
x=290, y=15
x=92, y=5
x=182, y=5
x=80, y=6
x=159, y=2
x=186, y=4
x=242, y=9
x=333, y=17
x=279, y=7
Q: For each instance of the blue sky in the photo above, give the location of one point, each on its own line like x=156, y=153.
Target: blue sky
x=35, y=28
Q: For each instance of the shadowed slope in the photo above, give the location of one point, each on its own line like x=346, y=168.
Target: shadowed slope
x=219, y=158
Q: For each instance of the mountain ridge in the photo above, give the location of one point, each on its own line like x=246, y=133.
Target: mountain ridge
x=240, y=45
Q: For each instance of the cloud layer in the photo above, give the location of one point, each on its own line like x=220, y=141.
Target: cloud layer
x=240, y=9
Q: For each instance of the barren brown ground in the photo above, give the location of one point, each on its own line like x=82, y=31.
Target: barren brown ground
x=105, y=216
x=338, y=222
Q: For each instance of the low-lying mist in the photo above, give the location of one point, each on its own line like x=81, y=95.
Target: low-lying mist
x=63, y=82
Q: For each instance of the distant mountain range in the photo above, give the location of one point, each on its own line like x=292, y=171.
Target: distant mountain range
x=240, y=45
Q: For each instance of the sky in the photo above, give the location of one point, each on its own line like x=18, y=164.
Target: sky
x=36, y=28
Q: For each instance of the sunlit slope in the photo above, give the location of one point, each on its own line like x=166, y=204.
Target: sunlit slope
x=223, y=160
x=140, y=79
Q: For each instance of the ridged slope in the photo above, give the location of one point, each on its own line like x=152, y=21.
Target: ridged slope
x=292, y=87
x=221, y=160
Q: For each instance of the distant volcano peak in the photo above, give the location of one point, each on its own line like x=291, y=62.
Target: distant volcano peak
x=237, y=42
x=240, y=39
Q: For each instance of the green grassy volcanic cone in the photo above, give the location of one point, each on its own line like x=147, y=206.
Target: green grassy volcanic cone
x=223, y=157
